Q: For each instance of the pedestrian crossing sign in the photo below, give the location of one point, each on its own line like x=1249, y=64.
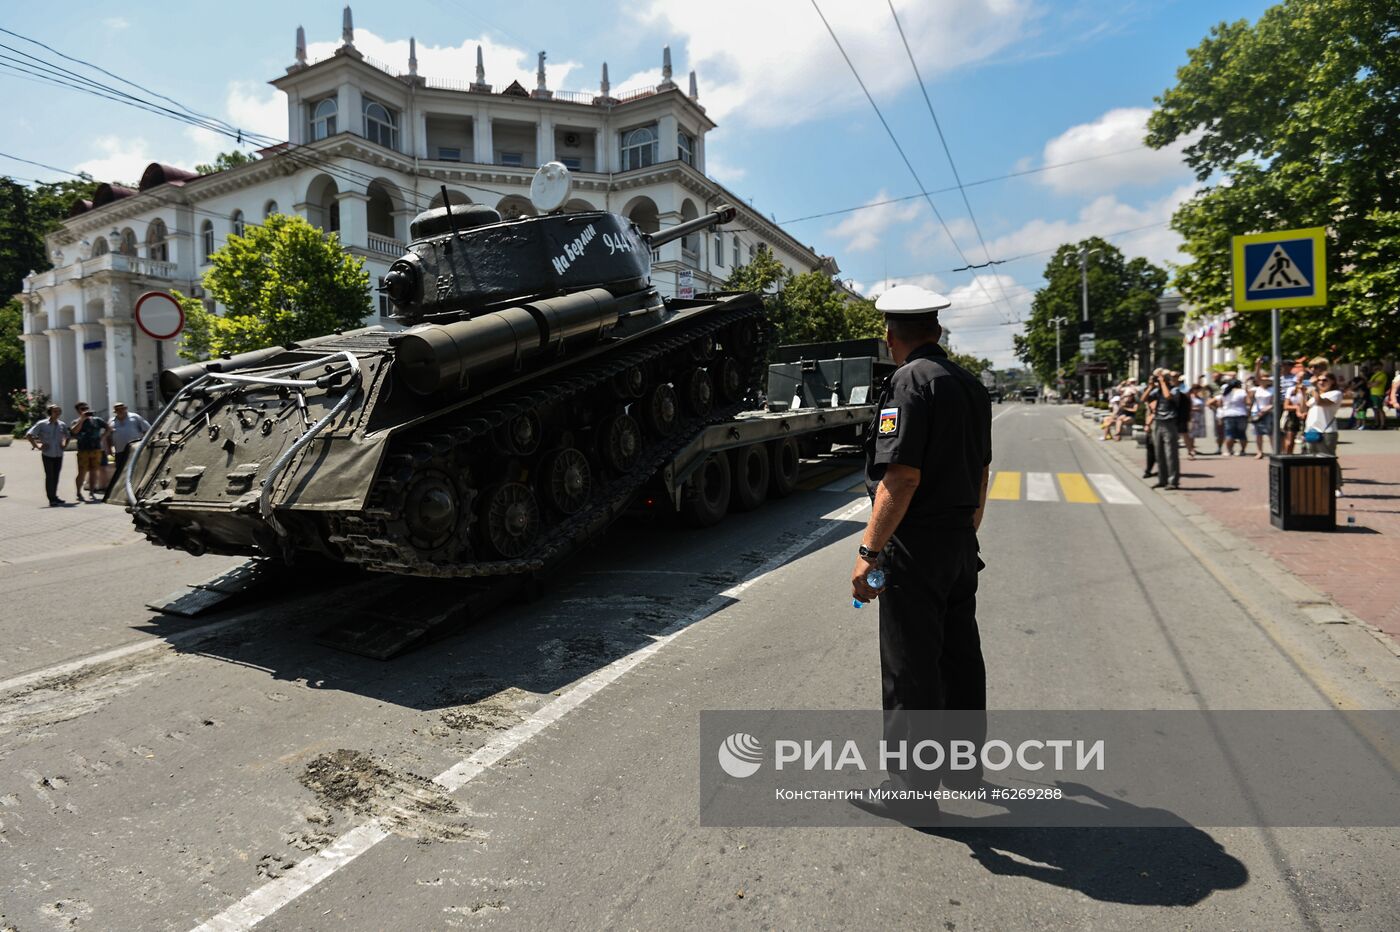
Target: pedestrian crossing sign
x=1283, y=269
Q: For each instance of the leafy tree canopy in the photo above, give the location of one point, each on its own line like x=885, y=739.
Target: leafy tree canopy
x=1299, y=116
x=1123, y=294
x=282, y=281
x=808, y=307
x=973, y=364
x=225, y=160
x=26, y=215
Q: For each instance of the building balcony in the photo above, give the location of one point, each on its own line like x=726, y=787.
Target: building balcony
x=108, y=262
x=385, y=246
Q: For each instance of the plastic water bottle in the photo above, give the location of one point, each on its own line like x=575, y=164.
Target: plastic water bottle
x=875, y=579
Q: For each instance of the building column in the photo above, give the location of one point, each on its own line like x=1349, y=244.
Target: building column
x=483, y=152
x=666, y=128
x=420, y=133
x=354, y=218
x=700, y=152
x=80, y=365
x=36, y=362
x=65, y=383
x=601, y=162
x=402, y=218
x=544, y=139
x=121, y=364
x=296, y=119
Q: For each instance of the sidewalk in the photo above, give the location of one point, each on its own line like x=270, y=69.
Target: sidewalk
x=1358, y=567
x=30, y=529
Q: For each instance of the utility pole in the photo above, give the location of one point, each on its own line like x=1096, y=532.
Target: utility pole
x=1084, y=255
x=1059, y=377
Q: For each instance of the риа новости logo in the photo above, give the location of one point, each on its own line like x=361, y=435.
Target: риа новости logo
x=740, y=755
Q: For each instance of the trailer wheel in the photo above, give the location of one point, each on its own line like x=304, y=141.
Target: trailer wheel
x=706, y=499
x=750, y=477
x=783, y=467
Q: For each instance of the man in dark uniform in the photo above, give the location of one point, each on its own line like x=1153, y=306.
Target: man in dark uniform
x=927, y=461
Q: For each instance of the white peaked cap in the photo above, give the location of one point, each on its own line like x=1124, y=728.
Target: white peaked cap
x=902, y=300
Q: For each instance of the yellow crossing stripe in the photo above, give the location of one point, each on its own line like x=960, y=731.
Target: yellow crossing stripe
x=1076, y=488
x=1006, y=486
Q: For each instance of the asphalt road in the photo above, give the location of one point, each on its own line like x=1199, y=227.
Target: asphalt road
x=539, y=770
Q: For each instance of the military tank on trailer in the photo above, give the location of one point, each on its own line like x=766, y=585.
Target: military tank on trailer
x=540, y=383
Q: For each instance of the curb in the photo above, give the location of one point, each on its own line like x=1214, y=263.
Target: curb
x=1315, y=606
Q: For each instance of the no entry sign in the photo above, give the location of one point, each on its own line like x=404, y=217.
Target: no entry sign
x=159, y=315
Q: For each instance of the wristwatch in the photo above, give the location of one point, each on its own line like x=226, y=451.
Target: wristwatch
x=869, y=554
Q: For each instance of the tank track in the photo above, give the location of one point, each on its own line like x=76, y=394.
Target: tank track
x=374, y=538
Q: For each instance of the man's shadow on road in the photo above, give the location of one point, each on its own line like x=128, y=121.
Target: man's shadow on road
x=1170, y=863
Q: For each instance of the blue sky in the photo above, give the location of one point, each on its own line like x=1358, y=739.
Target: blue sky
x=1016, y=84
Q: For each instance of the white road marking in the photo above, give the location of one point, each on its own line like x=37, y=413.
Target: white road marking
x=1040, y=487
x=1112, y=489
x=117, y=653
x=1007, y=411
x=271, y=897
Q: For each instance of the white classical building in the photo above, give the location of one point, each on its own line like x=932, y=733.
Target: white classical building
x=367, y=148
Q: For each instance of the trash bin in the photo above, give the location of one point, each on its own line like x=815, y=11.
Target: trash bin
x=1301, y=496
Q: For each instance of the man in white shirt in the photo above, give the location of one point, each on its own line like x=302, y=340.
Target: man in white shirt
x=124, y=430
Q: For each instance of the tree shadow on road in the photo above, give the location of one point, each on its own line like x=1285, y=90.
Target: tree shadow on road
x=1169, y=863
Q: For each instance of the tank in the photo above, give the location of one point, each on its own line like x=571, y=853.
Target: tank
x=541, y=380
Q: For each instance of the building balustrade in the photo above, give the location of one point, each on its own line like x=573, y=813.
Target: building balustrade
x=385, y=245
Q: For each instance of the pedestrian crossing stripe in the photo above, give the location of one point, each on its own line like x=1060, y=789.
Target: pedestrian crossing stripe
x=1075, y=488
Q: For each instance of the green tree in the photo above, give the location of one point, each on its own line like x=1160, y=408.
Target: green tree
x=11, y=353
x=808, y=307
x=26, y=215
x=1296, y=116
x=1123, y=294
x=282, y=281
x=973, y=364
x=225, y=160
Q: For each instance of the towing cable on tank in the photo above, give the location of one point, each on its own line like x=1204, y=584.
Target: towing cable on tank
x=278, y=378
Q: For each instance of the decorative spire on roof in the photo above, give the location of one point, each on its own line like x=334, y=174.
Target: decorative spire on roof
x=412, y=57
x=301, y=46
x=666, y=67
x=541, y=88
x=347, y=28
x=694, y=89
x=605, y=85
x=479, y=85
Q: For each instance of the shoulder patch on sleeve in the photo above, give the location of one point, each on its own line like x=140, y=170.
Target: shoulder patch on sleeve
x=889, y=422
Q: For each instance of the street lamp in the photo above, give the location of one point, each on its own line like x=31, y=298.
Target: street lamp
x=1059, y=376
x=1083, y=258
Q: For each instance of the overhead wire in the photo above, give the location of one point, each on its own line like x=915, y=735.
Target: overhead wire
x=899, y=148
x=948, y=153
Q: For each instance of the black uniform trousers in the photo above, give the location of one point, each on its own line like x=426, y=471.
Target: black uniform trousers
x=930, y=649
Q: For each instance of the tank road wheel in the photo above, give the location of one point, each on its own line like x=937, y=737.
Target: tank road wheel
x=568, y=480
x=729, y=380
x=706, y=498
x=704, y=348
x=699, y=392
x=783, y=467
x=521, y=434
x=750, y=479
x=660, y=410
x=621, y=442
x=742, y=339
x=630, y=384
x=511, y=518
x=436, y=513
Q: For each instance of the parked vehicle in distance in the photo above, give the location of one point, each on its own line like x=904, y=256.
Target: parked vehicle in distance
x=1029, y=395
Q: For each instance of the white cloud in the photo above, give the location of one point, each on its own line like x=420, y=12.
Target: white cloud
x=977, y=323
x=864, y=229
x=930, y=281
x=1117, y=130
x=456, y=62
x=1100, y=217
x=122, y=159
x=116, y=23
x=256, y=108
x=722, y=171
x=773, y=63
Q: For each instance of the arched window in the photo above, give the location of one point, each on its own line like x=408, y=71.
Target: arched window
x=685, y=146
x=323, y=119
x=238, y=223
x=156, y=246
x=206, y=239
x=99, y=246
x=128, y=242
x=381, y=124
x=269, y=209
x=639, y=148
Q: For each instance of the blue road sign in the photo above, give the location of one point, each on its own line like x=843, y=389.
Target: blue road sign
x=1277, y=270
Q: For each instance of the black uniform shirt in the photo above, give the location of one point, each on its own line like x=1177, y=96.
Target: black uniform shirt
x=935, y=416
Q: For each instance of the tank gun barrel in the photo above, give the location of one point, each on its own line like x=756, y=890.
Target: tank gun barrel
x=723, y=214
